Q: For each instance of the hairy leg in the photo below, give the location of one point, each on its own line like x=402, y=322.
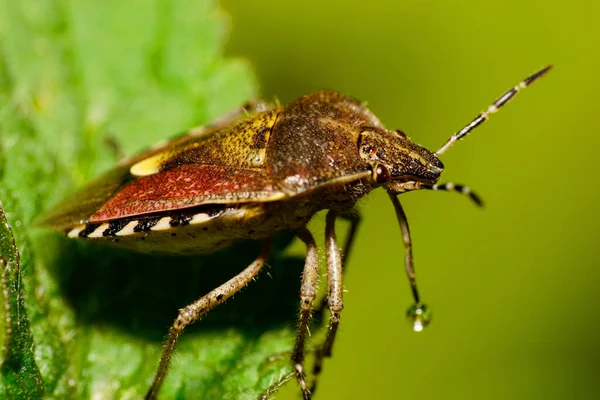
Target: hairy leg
x=197, y=309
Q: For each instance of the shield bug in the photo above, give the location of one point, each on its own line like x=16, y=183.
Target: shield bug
x=253, y=173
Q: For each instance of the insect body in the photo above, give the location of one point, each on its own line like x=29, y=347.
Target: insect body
x=251, y=175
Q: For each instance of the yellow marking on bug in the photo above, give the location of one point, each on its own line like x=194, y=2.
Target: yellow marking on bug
x=98, y=232
x=261, y=132
x=127, y=229
x=245, y=144
x=242, y=213
x=200, y=218
x=163, y=224
x=149, y=166
x=74, y=233
x=257, y=157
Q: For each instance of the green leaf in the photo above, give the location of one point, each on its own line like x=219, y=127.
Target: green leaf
x=21, y=376
x=89, y=321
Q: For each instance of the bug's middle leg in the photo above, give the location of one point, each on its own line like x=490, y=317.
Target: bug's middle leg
x=197, y=309
x=354, y=217
x=308, y=292
x=335, y=290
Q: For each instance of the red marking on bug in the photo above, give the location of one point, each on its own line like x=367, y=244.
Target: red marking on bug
x=181, y=187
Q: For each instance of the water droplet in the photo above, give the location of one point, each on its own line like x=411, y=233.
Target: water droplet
x=419, y=316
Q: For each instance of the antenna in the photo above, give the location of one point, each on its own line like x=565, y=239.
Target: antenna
x=500, y=101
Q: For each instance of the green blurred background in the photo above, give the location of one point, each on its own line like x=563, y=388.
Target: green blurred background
x=514, y=286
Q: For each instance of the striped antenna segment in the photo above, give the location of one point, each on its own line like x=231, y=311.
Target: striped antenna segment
x=502, y=100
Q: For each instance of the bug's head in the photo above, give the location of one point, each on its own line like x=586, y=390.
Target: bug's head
x=396, y=162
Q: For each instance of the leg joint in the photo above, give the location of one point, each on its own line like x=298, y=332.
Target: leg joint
x=335, y=307
x=306, y=301
x=186, y=317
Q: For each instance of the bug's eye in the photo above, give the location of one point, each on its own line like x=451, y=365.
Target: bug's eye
x=381, y=174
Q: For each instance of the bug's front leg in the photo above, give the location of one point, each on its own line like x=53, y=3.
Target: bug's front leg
x=197, y=309
x=308, y=292
x=406, y=239
x=418, y=313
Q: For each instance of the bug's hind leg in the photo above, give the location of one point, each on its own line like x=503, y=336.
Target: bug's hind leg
x=197, y=309
x=271, y=390
x=308, y=292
